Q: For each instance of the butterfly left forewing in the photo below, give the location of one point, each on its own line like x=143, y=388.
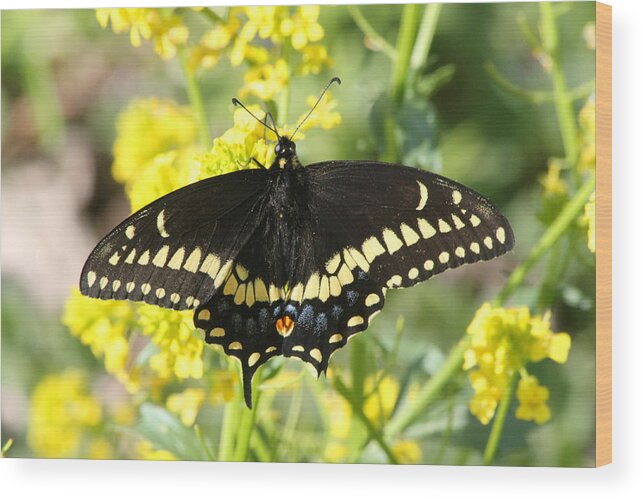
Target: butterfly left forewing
x=178, y=250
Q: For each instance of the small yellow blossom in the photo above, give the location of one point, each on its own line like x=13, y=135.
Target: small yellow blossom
x=335, y=452
x=381, y=397
x=166, y=31
x=314, y=58
x=303, y=27
x=186, y=404
x=181, y=351
x=323, y=116
x=263, y=22
x=590, y=220
x=146, y=128
x=503, y=341
x=104, y=326
x=551, y=182
x=145, y=450
x=407, y=452
x=234, y=149
x=533, y=401
x=587, y=122
x=100, y=448
x=60, y=414
x=224, y=386
x=266, y=81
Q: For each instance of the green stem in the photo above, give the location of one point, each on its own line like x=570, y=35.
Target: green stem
x=228, y=430
x=425, y=36
x=499, y=421
x=246, y=424
x=369, y=31
x=405, y=41
x=373, y=432
x=196, y=100
x=212, y=16
x=404, y=47
x=206, y=449
x=432, y=390
x=562, y=98
x=553, y=233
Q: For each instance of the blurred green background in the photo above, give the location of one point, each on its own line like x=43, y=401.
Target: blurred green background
x=481, y=111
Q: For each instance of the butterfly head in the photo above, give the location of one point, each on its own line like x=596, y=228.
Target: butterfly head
x=286, y=154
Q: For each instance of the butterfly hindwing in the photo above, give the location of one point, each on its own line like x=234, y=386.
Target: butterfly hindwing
x=178, y=250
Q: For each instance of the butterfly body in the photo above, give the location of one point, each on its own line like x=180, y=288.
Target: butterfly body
x=293, y=260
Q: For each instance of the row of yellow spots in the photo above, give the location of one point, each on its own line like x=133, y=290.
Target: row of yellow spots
x=146, y=289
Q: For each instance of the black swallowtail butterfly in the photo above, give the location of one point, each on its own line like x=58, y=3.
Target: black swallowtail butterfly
x=292, y=260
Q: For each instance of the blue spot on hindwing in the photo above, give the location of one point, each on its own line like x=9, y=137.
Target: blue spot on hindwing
x=336, y=312
x=321, y=324
x=306, y=317
x=351, y=297
x=251, y=327
x=291, y=311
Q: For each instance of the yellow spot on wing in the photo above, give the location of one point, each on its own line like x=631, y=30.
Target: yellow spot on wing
x=204, y=315
x=235, y=345
x=218, y=332
x=335, y=286
x=426, y=229
x=131, y=256
x=488, y=242
x=475, y=221
x=391, y=240
x=297, y=292
x=130, y=286
x=253, y=359
x=344, y=275
x=175, y=298
x=358, y=258
x=146, y=288
x=410, y=236
x=211, y=265
x=242, y=272
x=333, y=263
x=356, y=320
x=160, y=293
x=316, y=354
x=428, y=265
x=456, y=220
x=129, y=232
x=457, y=196
x=424, y=195
x=222, y=274
x=459, y=251
x=444, y=257
x=161, y=256
x=500, y=235
x=116, y=285
x=261, y=293
x=443, y=226
x=312, y=287
x=336, y=338
x=177, y=259
x=230, y=286
x=240, y=295
x=414, y=273
x=324, y=289
x=160, y=224
x=91, y=278
x=192, y=263
x=103, y=282
x=114, y=258
x=475, y=247
x=372, y=248
x=298, y=348
x=144, y=258
x=372, y=299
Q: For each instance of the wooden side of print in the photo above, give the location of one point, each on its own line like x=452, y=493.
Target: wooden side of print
x=603, y=234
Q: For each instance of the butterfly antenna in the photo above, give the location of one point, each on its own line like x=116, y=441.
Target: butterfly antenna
x=333, y=80
x=273, y=128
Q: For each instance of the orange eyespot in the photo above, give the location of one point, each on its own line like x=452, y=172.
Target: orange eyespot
x=285, y=325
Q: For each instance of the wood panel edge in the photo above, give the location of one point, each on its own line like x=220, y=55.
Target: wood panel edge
x=603, y=234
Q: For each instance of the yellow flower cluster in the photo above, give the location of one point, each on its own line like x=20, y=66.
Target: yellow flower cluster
x=180, y=349
x=154, y=150
x=381, y=394
x=104, y=327
x=62, y=413
x=247, y=34
x=165, y=29
x=503, y=341
x=552, y=184
x=186, y=404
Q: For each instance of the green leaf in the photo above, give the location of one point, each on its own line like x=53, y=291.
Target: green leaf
x=165, y=431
